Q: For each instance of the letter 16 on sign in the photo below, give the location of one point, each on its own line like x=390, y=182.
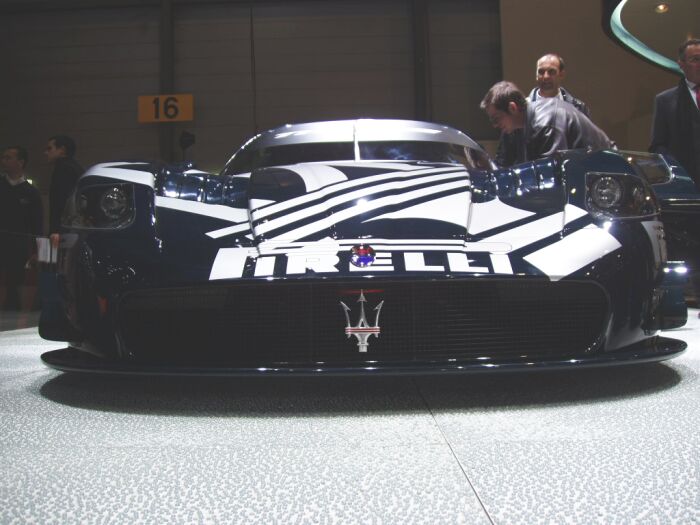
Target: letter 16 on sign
x=166, y=108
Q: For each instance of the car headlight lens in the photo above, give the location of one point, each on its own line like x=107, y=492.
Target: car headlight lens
x=606, y=192
x=101, y=207
x=619, y=196
x=114, y=202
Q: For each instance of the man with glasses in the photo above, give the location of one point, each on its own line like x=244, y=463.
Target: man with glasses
x=676, y=131
x=676, y=123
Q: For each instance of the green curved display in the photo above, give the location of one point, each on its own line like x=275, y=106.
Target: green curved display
x=637, y=46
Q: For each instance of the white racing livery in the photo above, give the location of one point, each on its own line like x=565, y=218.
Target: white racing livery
x=311, y=231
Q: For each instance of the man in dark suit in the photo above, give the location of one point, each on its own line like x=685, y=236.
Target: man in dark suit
x=60, y=152
x=676, y=122
x=676, y=131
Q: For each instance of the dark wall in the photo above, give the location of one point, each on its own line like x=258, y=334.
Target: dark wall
x=78, y=67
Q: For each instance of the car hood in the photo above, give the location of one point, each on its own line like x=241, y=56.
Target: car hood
x=407, y=217
x=394, y=200
x=356, y=200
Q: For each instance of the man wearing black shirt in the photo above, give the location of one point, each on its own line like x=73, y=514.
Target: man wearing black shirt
x=21, y=220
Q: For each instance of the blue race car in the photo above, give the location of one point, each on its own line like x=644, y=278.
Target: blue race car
x=366, y=246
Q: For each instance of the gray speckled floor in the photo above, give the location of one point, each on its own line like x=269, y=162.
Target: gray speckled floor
x=618, y=445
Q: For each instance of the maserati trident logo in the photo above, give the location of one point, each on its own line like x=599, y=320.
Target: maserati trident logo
x=362, y=330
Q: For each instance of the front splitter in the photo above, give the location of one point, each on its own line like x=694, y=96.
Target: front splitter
x=72, y=360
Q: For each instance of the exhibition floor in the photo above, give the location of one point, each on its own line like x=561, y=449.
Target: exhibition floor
x=615, y=445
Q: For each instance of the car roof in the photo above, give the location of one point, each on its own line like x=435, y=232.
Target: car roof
x=362, y=130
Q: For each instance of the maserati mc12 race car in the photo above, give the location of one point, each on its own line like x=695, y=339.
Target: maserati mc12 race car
x=366, y=246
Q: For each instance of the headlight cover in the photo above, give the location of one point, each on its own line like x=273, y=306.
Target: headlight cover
x=619, y=196
x=101, y=207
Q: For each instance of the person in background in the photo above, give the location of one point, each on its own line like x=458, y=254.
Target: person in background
x=549, y=75
x=675, y=130
x=675, y=126
x=547, y=125
x=21, y=218
x=60, y=153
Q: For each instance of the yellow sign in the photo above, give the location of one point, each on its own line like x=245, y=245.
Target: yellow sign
x=166, y=108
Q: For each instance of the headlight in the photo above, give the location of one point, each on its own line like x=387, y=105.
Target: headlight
x=619, y=196
x=606, y=192
x=114, y=203
x=104, y=206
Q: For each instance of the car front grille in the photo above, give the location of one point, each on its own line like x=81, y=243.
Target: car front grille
x=304, y=323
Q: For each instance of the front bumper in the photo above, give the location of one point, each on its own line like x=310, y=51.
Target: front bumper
x=653, y=350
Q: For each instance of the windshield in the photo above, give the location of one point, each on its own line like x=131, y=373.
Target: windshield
x=250, y=157
x=424, y=150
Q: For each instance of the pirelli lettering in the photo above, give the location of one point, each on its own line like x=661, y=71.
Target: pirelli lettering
x=239, y=263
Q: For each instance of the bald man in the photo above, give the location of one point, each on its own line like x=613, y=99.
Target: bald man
x=549, y=75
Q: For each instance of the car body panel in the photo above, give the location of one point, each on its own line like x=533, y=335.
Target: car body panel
x=349, y=266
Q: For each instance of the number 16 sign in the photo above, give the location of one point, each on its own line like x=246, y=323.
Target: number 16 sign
x=166, y=108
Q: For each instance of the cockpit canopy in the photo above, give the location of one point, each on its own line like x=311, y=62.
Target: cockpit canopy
x=358, y=140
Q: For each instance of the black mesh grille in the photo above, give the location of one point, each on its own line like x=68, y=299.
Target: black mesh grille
x=303, y=323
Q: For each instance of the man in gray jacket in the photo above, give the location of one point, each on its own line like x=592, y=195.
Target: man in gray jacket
x=548, y=125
